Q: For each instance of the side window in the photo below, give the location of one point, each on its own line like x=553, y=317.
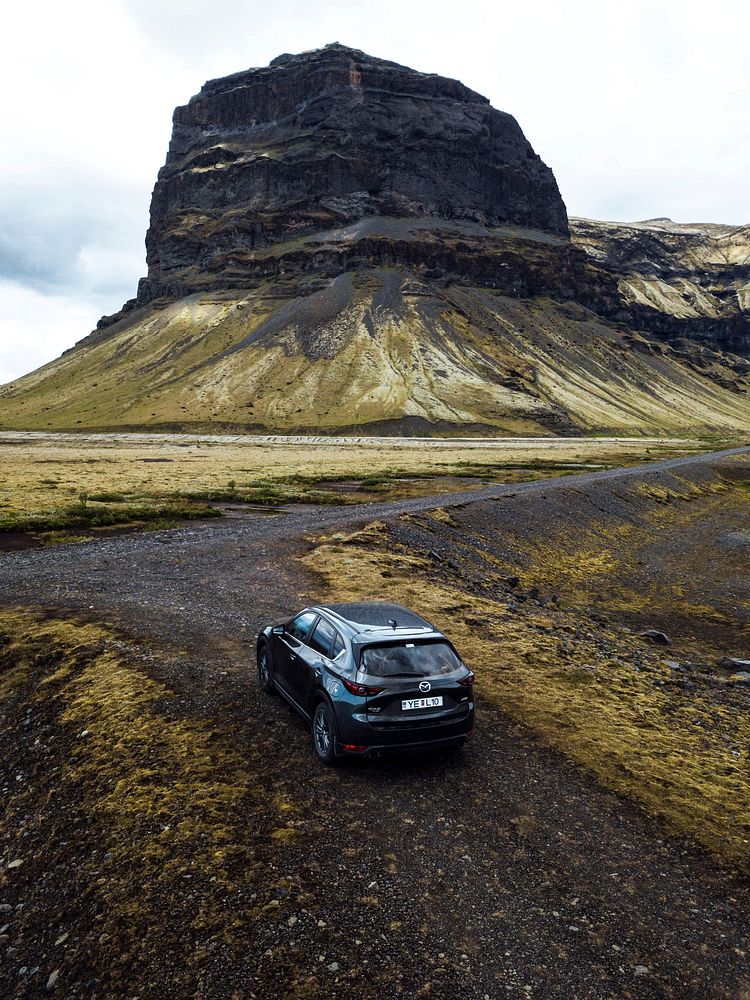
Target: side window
x=338, y=647
x=299, y=628
x=322, y=637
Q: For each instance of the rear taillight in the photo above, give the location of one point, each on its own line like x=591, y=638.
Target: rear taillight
x=362, y=690
x=354, y=748
x=467, y=681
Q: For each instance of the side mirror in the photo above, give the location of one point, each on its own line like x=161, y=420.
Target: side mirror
x=277, y=630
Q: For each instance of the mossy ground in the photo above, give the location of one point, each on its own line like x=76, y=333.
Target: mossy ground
x=559, y=650
x=177, y=837
x=148, y=810
x=62, y=520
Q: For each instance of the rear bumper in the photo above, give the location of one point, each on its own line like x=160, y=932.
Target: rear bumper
x=373, y=741
x=391, y=749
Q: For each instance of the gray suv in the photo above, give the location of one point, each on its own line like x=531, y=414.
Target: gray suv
x=369, y=678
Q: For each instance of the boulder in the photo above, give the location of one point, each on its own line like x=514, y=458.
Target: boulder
x=655, y=636
x=733, y=663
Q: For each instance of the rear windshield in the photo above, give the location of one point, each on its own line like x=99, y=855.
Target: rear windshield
x=409, y=659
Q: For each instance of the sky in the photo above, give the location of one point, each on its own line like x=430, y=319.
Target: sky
x=641, y=110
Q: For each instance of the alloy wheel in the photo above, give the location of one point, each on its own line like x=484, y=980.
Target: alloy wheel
x=322, y=731
x=264, y=668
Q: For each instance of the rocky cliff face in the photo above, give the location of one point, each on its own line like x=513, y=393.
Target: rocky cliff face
x=677, y=281
x=340, y=243
x=321, y=140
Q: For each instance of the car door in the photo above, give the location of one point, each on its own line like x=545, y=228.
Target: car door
x=288, y=646
x=312, y=657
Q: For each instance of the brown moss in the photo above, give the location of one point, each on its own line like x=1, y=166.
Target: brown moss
x=31, y=644
x=163, y=478
x=171, y=786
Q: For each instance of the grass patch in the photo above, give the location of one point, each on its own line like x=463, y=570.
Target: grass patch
x=55, y=538
x=108, y=497
x=163, y=472
x=85, y=516
x=268, y=494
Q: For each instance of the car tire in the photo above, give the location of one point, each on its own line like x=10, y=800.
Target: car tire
x=265, y=669
x=324, y=734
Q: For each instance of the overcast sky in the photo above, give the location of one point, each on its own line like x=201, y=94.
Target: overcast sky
x=641, y=109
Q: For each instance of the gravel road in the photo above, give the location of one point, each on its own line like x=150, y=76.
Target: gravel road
x=223, y=576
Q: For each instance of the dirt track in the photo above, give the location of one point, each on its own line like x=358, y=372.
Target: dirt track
x=228, y=577
x=502, y=872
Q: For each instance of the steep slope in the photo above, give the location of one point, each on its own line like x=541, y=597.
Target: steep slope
x=380, y=350
x=338, y=242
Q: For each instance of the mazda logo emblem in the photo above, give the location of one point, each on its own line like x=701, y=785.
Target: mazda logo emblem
x=424, y=686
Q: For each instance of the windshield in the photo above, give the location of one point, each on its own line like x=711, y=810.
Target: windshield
x=409, y=659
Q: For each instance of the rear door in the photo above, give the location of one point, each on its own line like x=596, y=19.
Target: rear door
x=288, y=647
x=313, y=656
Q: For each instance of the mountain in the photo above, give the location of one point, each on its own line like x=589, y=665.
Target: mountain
x=338, y=242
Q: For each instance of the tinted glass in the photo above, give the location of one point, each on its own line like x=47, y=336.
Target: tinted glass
x=410, y=660
x=322, y=637
x=338, y=646
x=301, y=625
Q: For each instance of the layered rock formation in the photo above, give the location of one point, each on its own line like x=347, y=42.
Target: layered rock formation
x=340, y=243
x=321, y=140
x=676, y=280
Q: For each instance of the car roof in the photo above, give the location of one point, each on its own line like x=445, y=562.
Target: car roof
x=373, y=620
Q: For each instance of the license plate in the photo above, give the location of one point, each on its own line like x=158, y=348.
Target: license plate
x=421, y=703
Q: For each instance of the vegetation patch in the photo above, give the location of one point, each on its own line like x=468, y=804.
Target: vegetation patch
x=83, y=485
x=102, y=515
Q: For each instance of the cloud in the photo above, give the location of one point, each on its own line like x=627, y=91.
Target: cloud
x=52, y=235
x=34, y=327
